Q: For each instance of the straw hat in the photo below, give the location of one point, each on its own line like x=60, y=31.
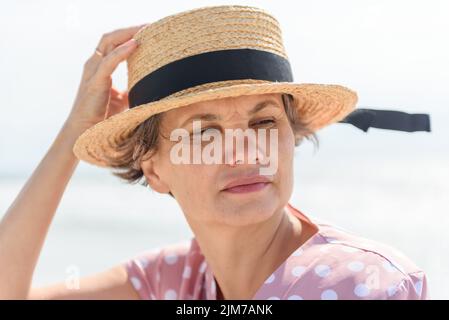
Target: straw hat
x=203, y=54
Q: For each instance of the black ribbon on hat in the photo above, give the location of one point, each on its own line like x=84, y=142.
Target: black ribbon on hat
x=214, y=66
x=238, y=64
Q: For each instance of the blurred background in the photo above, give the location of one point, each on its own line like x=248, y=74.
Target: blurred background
x=386, y=185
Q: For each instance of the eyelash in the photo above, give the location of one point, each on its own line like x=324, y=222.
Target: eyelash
x=264, y=120
x=260, y=122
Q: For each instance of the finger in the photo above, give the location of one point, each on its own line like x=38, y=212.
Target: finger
x=112, y=40
x=119, y=36
x=125, y=98
x=117, y=99
x=113, y=108
x=115, y=93
x=112, y=60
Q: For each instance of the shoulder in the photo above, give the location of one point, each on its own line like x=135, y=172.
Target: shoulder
x=152, y=270
x=347, y=266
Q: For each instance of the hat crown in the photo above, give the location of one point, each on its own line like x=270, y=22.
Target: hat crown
x=202, y=30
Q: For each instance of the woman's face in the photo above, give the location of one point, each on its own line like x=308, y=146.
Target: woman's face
x=199, y=188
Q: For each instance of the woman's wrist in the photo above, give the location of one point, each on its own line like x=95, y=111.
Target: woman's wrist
x=67, y=136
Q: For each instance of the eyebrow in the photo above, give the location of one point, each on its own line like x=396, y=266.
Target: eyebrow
x=210, y=117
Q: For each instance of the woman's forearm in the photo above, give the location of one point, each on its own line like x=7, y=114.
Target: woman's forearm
x=24, y=226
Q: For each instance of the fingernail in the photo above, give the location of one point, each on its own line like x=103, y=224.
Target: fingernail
x=131, y=42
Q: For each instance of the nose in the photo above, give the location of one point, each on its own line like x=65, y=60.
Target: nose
x=244, y=148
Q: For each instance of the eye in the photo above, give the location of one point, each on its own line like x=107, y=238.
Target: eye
x=264, y=122
x=204, y=130
x=193, y=134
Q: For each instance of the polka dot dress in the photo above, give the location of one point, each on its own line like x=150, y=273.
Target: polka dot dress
x=333, y=264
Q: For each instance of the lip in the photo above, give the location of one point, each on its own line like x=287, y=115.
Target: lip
x=251, y=182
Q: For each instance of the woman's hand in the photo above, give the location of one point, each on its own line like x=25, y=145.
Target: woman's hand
x=97, y=99
x=33, y=209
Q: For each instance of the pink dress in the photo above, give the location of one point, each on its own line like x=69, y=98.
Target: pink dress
x=332, y=264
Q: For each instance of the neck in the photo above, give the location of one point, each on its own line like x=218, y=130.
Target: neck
x=242, y=258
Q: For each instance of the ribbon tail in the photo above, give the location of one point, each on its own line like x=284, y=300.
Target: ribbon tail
x=363, y=119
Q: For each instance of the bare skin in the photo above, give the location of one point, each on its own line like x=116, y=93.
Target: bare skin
x=244, y=237
x=24, y=226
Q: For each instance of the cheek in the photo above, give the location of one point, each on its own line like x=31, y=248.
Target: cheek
x=286, y=148
x=192, y=179
x=286, y=142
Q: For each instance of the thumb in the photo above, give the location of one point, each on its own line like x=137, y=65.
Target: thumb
x=125, y=100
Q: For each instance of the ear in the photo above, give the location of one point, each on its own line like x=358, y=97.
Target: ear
x=153, y=177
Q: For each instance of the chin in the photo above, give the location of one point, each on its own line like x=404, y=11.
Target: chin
x=243, y=212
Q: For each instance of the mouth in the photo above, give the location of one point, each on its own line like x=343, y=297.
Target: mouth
x=247, y=185
x=246, y=188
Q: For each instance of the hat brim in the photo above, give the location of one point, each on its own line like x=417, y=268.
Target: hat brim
x=318, y=105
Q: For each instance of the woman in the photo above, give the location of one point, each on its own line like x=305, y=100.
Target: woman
x=250, y=242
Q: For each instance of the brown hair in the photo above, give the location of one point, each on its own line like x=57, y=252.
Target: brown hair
x=143, y=142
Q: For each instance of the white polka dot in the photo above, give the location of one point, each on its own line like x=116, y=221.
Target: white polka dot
x=136, y=283
x=203, y=266
x=143, y=263
x=333, y=240
x=389, y=267
x=187, y=272
x=213, y=287
x=298, y=271
x=349, y=249
x=273, y=298
x=356, y=266
x=171, y=258
x=295, y=297
x=418, y=287
x=322, y=270
x=270, y=279
x=298, y=252
x=170, y=294
x=361, y=290
x=391, y=291
x=329, y=295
